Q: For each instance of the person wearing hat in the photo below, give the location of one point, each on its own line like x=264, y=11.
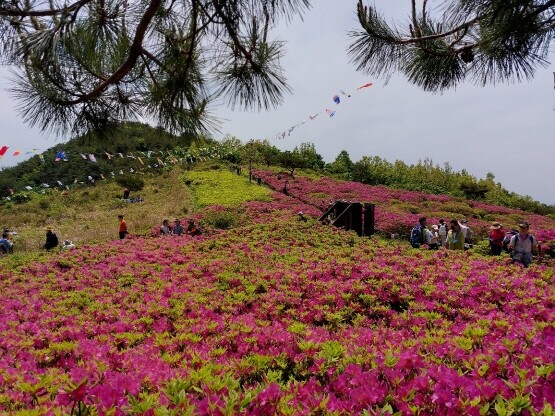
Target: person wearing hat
x=51, y=239
x=523, y=245
x=496, y=237
x=122, y=227
x=434, y=237
x=177, y=227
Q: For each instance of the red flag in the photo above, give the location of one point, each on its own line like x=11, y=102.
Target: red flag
x=365, y=86
x=16, y=153
x=3, y=150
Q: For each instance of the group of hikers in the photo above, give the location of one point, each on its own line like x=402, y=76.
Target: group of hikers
x=191, y=229
x=166, y=228
x=457, y=235
x=51, y=239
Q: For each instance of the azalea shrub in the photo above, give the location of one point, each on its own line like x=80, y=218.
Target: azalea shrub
x=278, y=317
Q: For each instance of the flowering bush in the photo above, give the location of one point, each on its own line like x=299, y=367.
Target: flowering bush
x=280, y=315
x=283, y=317
x=397, y=211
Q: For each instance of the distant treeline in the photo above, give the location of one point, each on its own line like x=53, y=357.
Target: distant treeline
x=372, y=170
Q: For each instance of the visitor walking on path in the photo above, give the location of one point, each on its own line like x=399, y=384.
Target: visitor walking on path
x=122, y=227
x=5, y=246
x=496, y=237
x=523, y=245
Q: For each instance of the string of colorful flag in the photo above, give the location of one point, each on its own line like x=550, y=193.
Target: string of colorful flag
x=17, y=152
x=329, y=111
x=161, y=158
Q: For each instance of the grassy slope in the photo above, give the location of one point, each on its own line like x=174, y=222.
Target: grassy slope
x=90, y=214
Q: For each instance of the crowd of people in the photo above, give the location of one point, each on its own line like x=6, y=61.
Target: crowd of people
x=457, y=235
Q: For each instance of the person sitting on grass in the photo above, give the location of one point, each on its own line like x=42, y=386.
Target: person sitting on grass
x=177, y=227
x=5, y=246
x=192, y=229
x=51, y=239
x=165, y=228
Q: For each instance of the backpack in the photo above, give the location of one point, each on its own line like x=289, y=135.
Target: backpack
x=516, y=241
x=442, y=229
x=416, y=237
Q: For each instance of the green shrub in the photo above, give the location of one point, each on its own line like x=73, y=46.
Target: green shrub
x=21, y=197
x=458, y=209
x=131, y=182
x=222, y=220
x=44, y=204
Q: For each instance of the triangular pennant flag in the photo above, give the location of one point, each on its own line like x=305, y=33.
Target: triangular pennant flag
x=59, y=183
x=41, y=157
x=345, y=93
x=92, y=158
x=83, y=156
x=331, y=113
x=141, y=160
x=365, y=86
x=29, y=188
x=3, y=150
x=108, y=155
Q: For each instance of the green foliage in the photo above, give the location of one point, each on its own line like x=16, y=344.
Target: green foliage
x=342, y=166
x=223, y=188
x=222, y=220
x=132, y=182
x=487, y=41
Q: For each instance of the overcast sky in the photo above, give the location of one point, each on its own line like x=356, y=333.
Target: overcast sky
x=505, y=129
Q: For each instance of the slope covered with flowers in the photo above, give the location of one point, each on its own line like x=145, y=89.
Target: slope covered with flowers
x=279, y=317
x=397, y=211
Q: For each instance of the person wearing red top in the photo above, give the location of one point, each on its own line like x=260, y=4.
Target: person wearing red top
x=496, y=236
x=122, y=227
